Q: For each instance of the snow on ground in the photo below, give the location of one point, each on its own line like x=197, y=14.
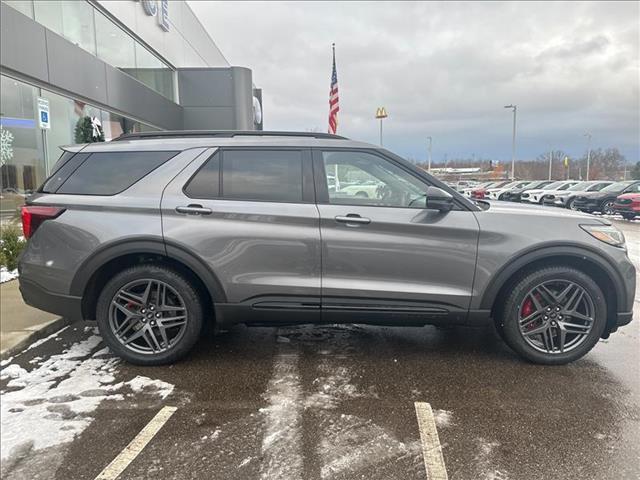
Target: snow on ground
x=6, y=275
x=51, y=404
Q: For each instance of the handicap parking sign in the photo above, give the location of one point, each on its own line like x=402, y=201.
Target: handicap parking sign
x=43, y=113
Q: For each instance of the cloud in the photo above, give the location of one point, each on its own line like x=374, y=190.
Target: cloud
x=445, y=70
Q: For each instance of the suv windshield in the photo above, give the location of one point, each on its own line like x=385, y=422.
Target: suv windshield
x=579, y=186
x=552, y=186
x=615, y=187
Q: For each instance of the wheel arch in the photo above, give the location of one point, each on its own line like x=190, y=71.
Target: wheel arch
x=114, y=257
x=589, y=261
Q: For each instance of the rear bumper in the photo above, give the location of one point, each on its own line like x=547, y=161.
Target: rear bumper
x=66, y=306
x=586, y=206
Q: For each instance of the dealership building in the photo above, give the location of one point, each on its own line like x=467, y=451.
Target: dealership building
x=78, y=70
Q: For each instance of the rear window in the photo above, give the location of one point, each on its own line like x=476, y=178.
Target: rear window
x=105, y=173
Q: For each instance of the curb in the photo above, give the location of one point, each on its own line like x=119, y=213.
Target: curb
x=35, y=335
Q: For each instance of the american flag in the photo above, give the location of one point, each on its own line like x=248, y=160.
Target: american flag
x=334, y=106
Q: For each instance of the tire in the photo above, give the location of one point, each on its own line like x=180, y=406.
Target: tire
x=120, y=308
x=607, y=207
x=570, y=204
x=534, y=347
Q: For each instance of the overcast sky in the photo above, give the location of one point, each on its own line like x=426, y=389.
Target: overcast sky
x=445, y=70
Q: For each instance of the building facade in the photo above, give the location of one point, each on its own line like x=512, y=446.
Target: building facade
x=75, y=69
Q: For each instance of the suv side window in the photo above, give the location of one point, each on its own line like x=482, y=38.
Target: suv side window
x=265, y=175
x=634, y=188
x=105, y=173
x=360, y=178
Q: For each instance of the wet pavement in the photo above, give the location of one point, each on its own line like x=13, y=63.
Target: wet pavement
x=330, y=402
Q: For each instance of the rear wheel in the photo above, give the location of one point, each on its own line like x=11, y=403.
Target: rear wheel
x=570, y=204
x=149, y=315
x=554, y=315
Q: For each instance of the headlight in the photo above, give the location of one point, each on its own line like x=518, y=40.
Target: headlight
x=605, y=233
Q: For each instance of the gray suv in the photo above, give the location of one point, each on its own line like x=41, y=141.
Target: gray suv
x=155, y=234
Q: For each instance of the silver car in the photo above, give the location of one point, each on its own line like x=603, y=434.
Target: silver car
x=156, y=234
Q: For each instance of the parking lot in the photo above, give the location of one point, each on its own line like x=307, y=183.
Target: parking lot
x=331, y=402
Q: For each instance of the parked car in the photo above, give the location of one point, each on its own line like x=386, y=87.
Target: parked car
x=498, y=193
x=482, y=185
x=155, y=234
x=628, y=205
x=535, y=196
x=565, y=198
x=604, y=200
x=483, y=191
x=515, y=194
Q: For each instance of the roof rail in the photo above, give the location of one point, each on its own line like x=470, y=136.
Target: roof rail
x=223, y=134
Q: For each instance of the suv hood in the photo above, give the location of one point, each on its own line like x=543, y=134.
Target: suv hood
x=500, y=208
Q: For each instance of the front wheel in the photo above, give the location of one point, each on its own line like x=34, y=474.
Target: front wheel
x=607, y=207
x=554, y=315
x=149, y=315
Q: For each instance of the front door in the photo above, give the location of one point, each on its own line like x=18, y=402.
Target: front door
x=384, y=255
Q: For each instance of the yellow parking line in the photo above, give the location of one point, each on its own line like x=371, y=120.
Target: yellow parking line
x=131, y=451
x=431, y=448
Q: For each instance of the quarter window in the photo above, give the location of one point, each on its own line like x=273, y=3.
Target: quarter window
x=109, y=173
x=206, y=182
x=358, y=178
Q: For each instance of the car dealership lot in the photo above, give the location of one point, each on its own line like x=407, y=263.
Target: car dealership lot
x=324, y=402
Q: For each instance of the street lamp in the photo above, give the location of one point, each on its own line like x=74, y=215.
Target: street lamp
x=513, y=142
x=381, y=114
x=430, y=142
x=588, y=135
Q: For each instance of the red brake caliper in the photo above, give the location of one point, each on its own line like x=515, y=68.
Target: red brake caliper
x=526, y=310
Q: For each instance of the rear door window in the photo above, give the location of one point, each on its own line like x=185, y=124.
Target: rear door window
x=107, y=173
x=264, y=175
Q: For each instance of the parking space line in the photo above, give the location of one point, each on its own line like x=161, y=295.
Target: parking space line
x=431, y=448
x=131, y=451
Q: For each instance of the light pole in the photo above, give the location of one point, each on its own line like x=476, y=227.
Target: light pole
x=430, y=142
x=550, y=162
x=588, y=135
x=381, y=114
x=513, y=142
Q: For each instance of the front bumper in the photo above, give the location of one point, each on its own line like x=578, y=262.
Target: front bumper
x=586, y=205
x=66, y=306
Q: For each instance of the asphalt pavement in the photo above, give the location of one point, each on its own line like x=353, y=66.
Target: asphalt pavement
x=328, y=402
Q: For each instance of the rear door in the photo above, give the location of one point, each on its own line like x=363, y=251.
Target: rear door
x=384, y=255
x=249, y=215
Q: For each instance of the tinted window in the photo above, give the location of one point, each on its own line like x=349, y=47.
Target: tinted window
x=268, y=175
x=64, y=167
x=206, y=182
x=111, y=172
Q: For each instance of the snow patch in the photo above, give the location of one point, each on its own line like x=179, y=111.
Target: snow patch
x=6, y=275
x=51, y=404
x=443, y=418
x=145, y=384
x=282, y=441
x=12, y=371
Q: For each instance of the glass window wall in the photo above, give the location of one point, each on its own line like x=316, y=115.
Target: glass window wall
x=21, y=151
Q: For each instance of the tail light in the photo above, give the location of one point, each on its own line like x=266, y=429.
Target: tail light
x=34, y=215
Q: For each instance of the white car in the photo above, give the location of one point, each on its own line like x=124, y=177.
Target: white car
x=536, y=196
x=496, y=193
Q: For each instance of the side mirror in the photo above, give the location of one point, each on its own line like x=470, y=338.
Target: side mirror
x=438, y=199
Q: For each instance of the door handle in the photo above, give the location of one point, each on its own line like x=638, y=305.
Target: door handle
x=353, y=218
x=193, y=209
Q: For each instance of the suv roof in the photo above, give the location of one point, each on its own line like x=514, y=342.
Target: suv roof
x=182, y=140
